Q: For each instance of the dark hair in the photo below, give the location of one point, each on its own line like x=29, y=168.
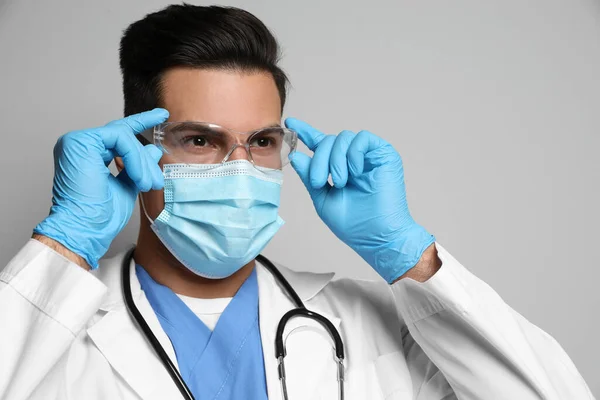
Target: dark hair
x=193, y=36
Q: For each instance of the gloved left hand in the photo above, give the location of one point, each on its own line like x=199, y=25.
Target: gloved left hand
x=366, y=207
x=90, y=206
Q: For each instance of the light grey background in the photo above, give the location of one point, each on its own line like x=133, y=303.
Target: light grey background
x=494, y=106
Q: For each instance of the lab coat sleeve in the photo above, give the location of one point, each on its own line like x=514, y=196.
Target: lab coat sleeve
x=484, y=348
x=45, y=300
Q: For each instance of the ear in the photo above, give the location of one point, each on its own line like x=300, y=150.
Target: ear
x=119, y=164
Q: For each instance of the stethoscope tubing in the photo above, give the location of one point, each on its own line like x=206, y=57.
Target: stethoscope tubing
x=137, y=315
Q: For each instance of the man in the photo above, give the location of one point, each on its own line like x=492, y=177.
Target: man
x=208, y=176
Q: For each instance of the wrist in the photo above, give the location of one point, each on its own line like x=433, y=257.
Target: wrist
x=62, y=250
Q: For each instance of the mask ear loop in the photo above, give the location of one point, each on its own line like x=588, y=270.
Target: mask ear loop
x=144, y=208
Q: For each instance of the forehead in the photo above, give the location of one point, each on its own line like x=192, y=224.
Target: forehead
x=239, y=100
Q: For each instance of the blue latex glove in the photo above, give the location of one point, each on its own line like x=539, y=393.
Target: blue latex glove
x=366, y=206
x=90, y=206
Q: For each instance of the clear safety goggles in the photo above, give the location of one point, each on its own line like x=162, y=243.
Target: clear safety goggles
x=205, y=143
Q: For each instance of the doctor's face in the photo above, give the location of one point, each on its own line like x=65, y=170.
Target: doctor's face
x=242, y=101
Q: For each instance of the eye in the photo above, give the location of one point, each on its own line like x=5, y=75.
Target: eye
x=262, y=142
x=196, y=141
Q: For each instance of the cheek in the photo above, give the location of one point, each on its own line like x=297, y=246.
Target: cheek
x=167, y=159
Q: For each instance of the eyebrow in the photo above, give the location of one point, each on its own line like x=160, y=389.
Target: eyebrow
x=268, y=126
x=182, y=126
x=274, y=125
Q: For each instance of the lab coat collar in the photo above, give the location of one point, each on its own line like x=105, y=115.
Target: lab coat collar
x=306, y=284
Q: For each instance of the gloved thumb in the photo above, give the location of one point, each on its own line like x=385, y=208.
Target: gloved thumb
x=301, y=164
x=154, y=152
x=128, y=184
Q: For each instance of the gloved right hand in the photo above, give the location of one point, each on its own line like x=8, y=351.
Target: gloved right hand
x=90, y=206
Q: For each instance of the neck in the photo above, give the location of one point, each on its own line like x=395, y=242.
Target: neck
x=165, y=269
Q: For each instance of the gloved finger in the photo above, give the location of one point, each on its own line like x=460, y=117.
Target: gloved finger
x=363, y=143
x=138, y=123
x=338, y=163
x=121, y=141
x=319, y=166
x=301, y=164
x=310, y=136
x=154, y=154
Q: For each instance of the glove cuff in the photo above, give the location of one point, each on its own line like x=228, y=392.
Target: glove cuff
x=56, y=228
x=396, y=258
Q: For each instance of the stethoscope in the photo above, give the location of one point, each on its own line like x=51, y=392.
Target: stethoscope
x=280, y=351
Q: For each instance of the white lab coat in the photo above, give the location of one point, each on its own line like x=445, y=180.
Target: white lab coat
x=65, y=334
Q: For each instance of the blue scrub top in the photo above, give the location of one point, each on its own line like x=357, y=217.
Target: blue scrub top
x=226, y=363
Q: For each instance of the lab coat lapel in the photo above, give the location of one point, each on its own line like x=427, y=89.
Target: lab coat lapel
x=310, y=366
x=122, y=342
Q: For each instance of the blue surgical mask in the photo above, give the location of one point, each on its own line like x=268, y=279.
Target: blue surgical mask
x=218, y=218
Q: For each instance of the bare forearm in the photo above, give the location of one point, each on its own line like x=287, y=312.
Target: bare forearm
x=62, y=250
x=428, y=265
